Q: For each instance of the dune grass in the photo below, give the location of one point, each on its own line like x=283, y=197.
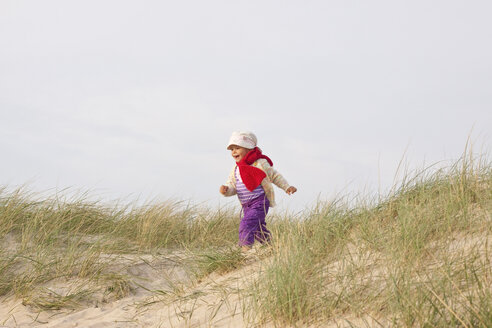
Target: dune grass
x=420, y=256
x=77, y=240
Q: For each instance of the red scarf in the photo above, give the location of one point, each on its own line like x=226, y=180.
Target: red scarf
x=252, y=176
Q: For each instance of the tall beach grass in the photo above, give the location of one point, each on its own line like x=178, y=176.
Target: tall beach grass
x=417, y=257
x=77, y=240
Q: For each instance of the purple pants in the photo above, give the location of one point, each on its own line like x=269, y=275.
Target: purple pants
x=253, y=225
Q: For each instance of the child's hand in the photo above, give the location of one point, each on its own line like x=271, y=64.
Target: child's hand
x=223, y=189
x=291, y=190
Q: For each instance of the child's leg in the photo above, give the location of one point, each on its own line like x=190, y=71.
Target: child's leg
x=263, y=235
x=247, y=229
x=252, y=225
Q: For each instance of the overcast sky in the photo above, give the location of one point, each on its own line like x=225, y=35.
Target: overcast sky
x=137, y=99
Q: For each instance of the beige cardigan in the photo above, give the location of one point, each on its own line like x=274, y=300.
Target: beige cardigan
x=272, y=176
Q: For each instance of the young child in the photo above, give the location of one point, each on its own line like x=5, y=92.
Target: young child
x=251, y=179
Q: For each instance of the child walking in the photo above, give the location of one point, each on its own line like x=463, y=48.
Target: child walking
x=251, y=179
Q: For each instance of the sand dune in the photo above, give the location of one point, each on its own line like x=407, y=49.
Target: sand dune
x=163, y=295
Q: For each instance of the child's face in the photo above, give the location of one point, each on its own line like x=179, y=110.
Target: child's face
x=238, y=152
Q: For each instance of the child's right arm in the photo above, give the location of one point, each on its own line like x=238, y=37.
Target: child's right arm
x=229, y=188
x=223, y=189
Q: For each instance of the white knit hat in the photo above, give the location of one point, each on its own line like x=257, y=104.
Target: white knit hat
x=243, y=138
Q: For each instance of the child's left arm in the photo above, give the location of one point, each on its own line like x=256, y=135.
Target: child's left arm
x=291, y=190
x=277, y=179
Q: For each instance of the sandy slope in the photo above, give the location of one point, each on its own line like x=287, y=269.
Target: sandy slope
x=179, y=303
x=164, y=295
x=213, y=302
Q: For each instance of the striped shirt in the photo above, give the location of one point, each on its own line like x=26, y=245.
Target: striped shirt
x=243, y=193
x=273, y=177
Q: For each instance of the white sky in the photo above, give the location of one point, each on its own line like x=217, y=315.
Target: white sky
x=137, y=99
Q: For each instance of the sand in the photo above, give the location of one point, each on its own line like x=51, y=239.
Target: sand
x=162, y=295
